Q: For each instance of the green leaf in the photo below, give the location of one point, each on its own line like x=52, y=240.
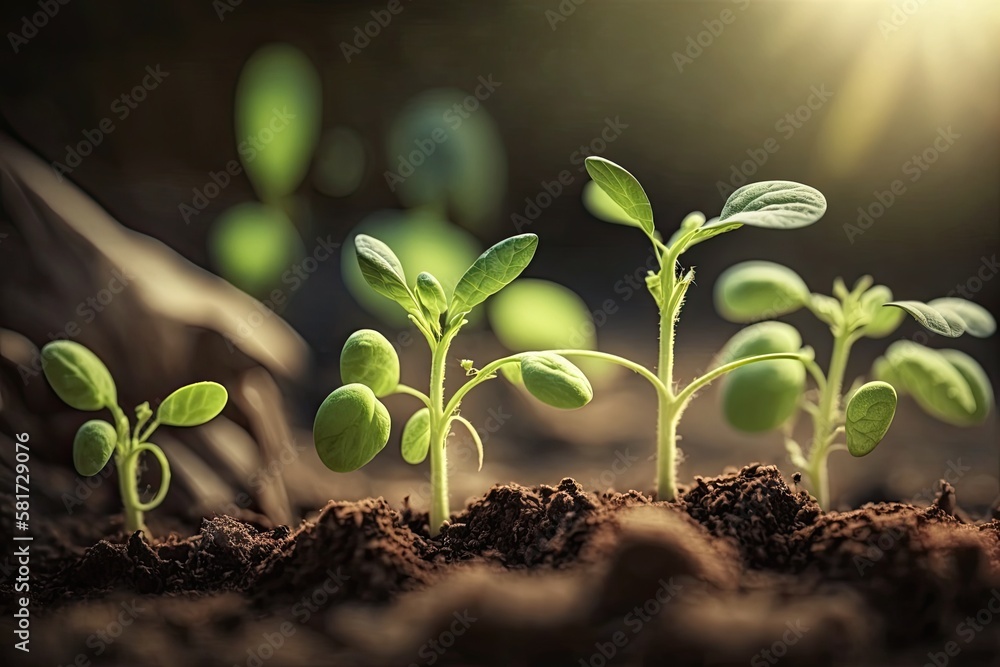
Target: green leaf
x=623, y=189
x=935, y=384
x=759, y=290
x=979, y=383
x=882, y=321
x=416, y=440
x=555, y=381
x=603, y=207
x=370, y=359
x=869, y=415
x=278, y=119
x=762, y=396
x=946, y=323
x=383, y=271
x=774, y=205
x=494, y=269
x=93, y=446
x=978, y=321
x=430, y=296
x=535, y=314
x=192, y=405
x=350, y=428
x=78, y=376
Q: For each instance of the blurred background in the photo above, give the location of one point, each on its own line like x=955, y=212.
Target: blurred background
x=177, y=142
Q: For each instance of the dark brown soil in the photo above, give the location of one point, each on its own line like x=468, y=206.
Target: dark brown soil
x=740, y=570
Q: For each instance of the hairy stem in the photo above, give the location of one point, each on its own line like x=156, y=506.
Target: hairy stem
x=439, y=425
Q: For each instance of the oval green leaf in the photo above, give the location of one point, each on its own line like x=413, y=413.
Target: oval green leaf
x=383, y=271
x=946, y=323
x=979, y=383
x=978, y=321
x=759, y=290
x=78, y=376
x=278, y=119
x=416, y=440
x=869, y=415
x=430, y=296
x=491, y=272
x=93, y=446
x=623, y=189
x=935, y=384
x=350, y=428
x=192, y=405
x=882, y=321
x=763, y=395
x=604, y=208
x=555, y=381
x=370, y=359
x=773, y=204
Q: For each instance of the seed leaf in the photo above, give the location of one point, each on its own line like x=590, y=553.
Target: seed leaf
x=869, y=415
x=935, y=384
x=192, y=405
x=624, y=190
x=416, y=439
x=978, y=321
x=774, y=204
x=555, y=381
x=494, y=269
x=78, y=376
x=350, y=428
x=945, y=322
x=979, y=383
x=370, y=359
x=93, y=446
x=383, y=271
x=759, y=290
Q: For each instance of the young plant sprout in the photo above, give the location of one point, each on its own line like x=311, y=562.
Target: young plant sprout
x=616, y=196
x=352, y=424
x=83, y=382
x=948, y=384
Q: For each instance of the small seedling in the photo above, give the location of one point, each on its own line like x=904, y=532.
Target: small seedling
x=83, y=382
x=352, y=424
x=948, y=384
x=616, y=196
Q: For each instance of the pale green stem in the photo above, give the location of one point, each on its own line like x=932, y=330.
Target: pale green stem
x=164, y=474
x=148, y=432
x=404, y=389
x=126, y=472
x=689, y=391
x=825, y=418
x=439, y=426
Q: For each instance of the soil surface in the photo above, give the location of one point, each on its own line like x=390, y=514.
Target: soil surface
x=740, y=570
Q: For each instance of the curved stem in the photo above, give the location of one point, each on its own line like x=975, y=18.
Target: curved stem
x=474, y=433
x=404, y=389
x=715, y=373
x=487, y=372
x=164, y=474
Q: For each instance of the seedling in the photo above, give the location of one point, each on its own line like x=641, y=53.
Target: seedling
x=948, y=384
x=83, y=382
x=352, y=424
x=616, y=196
